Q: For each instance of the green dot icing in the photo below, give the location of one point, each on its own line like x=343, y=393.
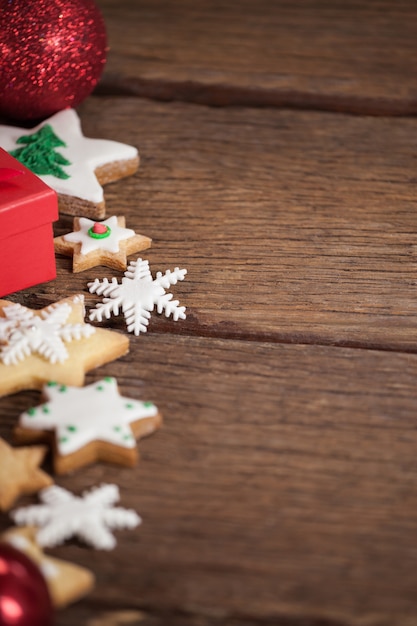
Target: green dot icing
x=32, y=411
x=94, y=235
x=117, y=429
x=51, y=383
x=148, y=405
x=127, y=437
x=63, y=388
x=63, y=439
x=46, y=409
x=99, y=388
x=129, y=405
x=39, y=153
x=108, y=379
x=72, y=429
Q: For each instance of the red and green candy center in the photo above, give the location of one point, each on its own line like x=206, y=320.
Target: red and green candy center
x=99, y=231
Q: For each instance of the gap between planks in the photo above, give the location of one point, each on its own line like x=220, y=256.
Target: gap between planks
x=230, y=96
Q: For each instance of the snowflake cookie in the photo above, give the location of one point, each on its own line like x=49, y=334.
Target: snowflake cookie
x=88, y=424
x=66, y=581
x=73, y=165
x=89, y=517
x=137, y=296
x=23, y=333
x=100, y=243
x=20, y=473
x=52, y=343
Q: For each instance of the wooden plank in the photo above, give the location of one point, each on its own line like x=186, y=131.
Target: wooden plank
x=283, y=483
x=345, y=56
x=295, y=227
x=90, y=614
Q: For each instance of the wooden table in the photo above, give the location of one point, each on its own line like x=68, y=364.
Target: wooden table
x=279, y=154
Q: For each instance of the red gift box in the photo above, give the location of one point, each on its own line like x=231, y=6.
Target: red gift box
x=27, y=209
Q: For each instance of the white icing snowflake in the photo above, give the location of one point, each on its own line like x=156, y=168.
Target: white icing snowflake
x=137, y=296
x=63, y=515
x=24, y=333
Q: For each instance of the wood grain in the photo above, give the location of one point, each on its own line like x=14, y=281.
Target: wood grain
x=282, y=488
x=333, y=55
x=282, y=484
x=95, y=615
x=294, y=227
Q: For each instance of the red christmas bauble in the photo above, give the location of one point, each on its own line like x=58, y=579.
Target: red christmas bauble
x=24, y=596
x=52, y=55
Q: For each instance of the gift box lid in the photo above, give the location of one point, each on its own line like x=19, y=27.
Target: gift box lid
x=26, y=202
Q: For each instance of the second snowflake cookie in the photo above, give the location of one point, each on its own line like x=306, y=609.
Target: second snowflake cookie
x=89, y=517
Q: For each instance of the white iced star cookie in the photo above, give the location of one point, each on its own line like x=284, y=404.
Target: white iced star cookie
x=52, y=343
x=106, y=243
x=88, y=424
x=66, y=581
x=74, y=165
x=89, y=517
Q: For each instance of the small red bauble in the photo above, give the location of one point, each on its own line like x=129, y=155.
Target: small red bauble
x=24, y=596
x=52, y=55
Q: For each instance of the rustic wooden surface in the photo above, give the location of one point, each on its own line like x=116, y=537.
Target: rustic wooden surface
x=326, y=54
x=282, y=487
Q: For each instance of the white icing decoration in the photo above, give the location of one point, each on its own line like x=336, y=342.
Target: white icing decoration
x=90, y=244
x=85, y=155
x=18, y=542
x=49, y=569
x=25, y=333
x=137, y=296
x=63, y=515
x=82, y=415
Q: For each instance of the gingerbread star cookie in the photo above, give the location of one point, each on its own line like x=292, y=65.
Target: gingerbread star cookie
x=52, y=343
x=88, y=424
x=66, y=582
x=75, y=166
x=20, y=473
x=106, y=243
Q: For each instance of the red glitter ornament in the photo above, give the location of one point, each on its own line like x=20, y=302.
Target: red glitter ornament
x=24, y=596
x=52, y=55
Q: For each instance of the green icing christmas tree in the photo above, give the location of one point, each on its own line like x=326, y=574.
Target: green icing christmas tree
x=39, y=153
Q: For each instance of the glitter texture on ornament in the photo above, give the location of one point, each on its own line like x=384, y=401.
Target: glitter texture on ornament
x=52, y=55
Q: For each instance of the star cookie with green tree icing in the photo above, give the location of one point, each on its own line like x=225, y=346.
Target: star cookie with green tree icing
x=88, y=424
x=74, y=166
x=106, y=243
